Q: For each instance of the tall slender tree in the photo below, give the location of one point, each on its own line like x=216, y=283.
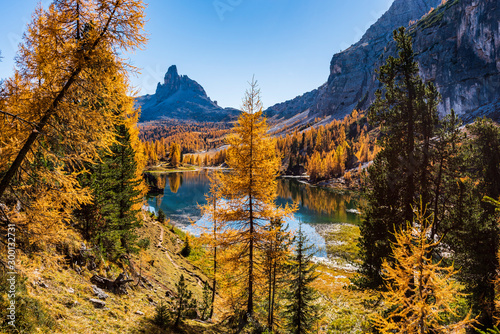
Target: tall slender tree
x=122, y=193
x=302, y=310
x=250, y=188
x=476, y=237
x=215, y=236
x=61, y=100
x=276, y=253
x=406, y=111
x=175, y=154
x=110, y=219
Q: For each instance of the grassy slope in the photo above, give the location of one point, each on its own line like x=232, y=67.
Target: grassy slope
x=164, y=168
x=345, y=311
x=74, y=313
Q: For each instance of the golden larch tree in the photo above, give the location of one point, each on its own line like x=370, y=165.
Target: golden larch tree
x=421, y=293
x=60, y=107
x=175, y=154
x=249, y=190
x=213, y=234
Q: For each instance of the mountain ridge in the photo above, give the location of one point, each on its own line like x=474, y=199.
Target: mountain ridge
x=446, y=51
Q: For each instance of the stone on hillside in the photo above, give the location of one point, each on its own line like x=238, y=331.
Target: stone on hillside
x=99, y=293
x=97, y=303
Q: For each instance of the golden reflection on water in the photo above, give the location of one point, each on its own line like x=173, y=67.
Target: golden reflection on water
x=318, y=199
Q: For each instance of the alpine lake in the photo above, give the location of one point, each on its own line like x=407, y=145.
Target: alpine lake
x=330, y=217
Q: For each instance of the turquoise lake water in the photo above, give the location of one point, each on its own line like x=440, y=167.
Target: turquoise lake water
x=184, y=192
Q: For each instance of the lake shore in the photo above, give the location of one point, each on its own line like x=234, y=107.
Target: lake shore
x=188, y=168
x=352, y=180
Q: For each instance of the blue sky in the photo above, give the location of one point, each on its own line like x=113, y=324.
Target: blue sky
x=286, y=44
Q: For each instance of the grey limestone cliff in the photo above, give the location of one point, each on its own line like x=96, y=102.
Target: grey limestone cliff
x=457, y=47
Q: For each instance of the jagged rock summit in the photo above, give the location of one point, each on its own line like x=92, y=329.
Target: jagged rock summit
x=457, y=47
x=182, y=98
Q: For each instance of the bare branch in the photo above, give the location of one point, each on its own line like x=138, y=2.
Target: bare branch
x=17, y=117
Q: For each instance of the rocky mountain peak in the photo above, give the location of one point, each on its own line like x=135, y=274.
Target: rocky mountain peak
x=399, y=14
x=456, y=46
x=173, y=82
x=171, y=75
x=180, y=97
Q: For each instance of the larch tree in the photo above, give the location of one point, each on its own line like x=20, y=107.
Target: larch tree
x=249, y=190
x=59, y=107
x=421, y=293
x=215, y=234
x=277, y=250
x=175, y=154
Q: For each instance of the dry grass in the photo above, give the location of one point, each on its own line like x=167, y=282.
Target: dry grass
x=67, y=293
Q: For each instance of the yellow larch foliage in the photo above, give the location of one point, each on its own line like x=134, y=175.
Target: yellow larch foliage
x=421, y=293
x=248, y=193
x=59, y=108
x=175, y=154
x=131, y=118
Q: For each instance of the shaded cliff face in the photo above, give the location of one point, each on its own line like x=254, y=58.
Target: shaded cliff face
x=181, y=98
x=457, y=48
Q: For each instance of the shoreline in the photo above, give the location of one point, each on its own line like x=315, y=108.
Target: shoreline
x=161, y=170
x=338, y=184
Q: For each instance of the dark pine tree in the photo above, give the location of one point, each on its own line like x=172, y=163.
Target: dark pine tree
x=110, y=220
x=475, y=240
x=183, y=301
x=301, y=310
x=406, y=111
x=122, y=188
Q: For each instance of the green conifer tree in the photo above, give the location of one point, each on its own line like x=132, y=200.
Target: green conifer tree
x=162, y=316
x=302, y=310
x=161, y=216
x=183, y=301
x=121, y=187
x=406, y=111
x=110, y=220
x=475, y=237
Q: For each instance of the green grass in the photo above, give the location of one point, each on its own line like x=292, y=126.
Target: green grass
x=341, y=242
x=436, y=16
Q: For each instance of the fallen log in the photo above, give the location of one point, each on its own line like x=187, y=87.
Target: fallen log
x=117, y=286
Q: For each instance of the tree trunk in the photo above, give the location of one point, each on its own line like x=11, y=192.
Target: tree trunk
x=7, y=178
x=252, y=231
x=215, y=262
x=273, y=295
x=34, y=134
x=269, y=292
